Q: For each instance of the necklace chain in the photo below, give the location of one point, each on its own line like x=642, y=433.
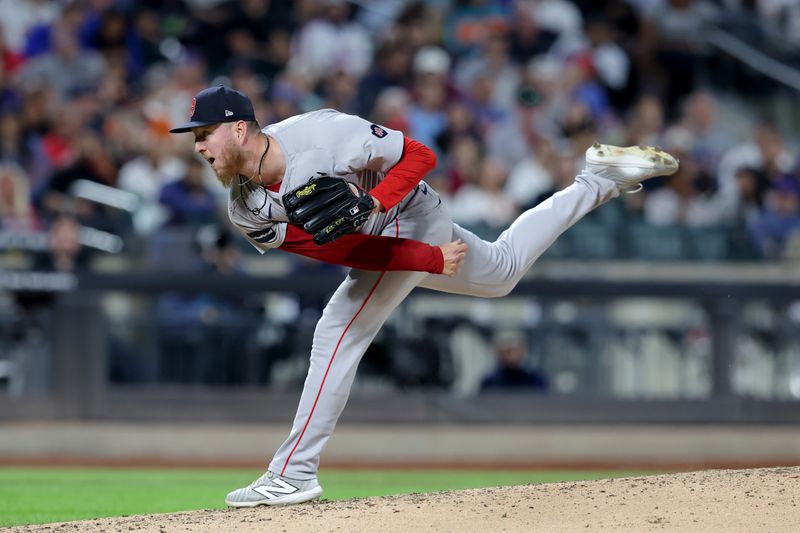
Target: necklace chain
x=255, y=210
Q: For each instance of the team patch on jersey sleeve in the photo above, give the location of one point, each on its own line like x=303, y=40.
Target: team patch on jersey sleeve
x=264, y=236
x=379, y=132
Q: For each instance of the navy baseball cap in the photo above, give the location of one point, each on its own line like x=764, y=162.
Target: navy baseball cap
x=215, y=105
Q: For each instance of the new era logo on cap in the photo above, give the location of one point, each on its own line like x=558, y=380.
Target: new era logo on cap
x=215, y=105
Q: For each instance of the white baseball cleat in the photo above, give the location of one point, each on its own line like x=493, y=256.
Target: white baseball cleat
x=272, y=489
x=629, y=166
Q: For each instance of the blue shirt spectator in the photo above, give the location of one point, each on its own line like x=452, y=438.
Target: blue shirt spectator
x=188, y=200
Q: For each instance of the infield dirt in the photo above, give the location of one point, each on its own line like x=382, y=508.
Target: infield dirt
x=730, y=501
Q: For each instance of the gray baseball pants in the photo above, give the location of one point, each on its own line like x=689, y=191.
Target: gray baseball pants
x=363, y=302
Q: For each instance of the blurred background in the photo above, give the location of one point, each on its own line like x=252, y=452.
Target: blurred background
x=126, y=297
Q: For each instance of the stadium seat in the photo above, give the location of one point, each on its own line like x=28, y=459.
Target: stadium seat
x=590, y=240
x=707, y=244
x=654, y=243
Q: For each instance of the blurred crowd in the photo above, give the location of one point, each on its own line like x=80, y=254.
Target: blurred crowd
x=508, y=93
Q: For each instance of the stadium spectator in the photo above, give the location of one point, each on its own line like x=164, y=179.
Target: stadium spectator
x=540, y=102
x=65, y=252
x=464, y=159
x=461, y=121
x=266, y=59
x=331, y=41
x=495, y=64
x=420, y=24
x=611, y=61
x=484, y=203
x=391, y=108
x=582, y=85
x=752, y=184
x=147, y=24
x=118, y=41
x=16, y=211
x=287, y=98
x=533, y=177
x=10, y=60
x=90, y=163
x=470, y=22
x=646, y=122
x=433, y=62
x=709, y=139
x=678, y=32
x=21, y=16
x=145, y=176
x=426, y=115
x=510, y=370
x=189, y=201
x=561, y=17
x=779, y=220
x=391, y=68
x=12, y=146
x=527, y=37
x=67, y=68
x=765, y=150
x=479, y=99
x=340, y=92
x=580, y=128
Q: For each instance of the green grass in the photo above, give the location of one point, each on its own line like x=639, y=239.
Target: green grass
x=42, y=495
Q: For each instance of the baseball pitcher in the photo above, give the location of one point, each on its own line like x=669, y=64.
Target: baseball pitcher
x=341, y=189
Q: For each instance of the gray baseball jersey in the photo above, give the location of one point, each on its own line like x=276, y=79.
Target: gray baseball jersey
x=321, y=142
x=347, y=146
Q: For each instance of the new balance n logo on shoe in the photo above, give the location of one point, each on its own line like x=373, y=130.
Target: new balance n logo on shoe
x=272, y=492
x=270, y=489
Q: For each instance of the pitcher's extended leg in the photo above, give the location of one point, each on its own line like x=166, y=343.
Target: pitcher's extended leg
x=492, y=269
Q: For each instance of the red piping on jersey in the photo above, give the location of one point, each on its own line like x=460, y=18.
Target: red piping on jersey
x=333, y=356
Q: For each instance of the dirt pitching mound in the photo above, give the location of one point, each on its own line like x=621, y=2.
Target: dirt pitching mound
x=714, y=500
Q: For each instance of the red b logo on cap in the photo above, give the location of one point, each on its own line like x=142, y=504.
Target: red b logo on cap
x=191, y=109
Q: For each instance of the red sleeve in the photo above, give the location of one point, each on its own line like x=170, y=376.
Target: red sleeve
x=367, y=252
x=416, y=161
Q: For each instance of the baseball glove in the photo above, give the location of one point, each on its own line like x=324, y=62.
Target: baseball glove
x=327, y=207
